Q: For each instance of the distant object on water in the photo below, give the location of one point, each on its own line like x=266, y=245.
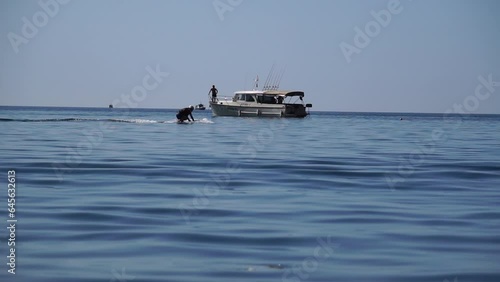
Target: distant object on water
x=200, y=106
x=110, y=106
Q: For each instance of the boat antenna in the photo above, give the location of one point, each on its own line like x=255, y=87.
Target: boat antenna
x=256, y=83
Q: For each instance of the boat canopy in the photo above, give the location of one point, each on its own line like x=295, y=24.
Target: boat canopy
x=284, y=93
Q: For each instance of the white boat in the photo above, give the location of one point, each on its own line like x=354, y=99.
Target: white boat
x=261, y=103
x=200, y=107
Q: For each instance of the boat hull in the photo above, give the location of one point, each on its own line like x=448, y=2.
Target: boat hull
x=257, y=110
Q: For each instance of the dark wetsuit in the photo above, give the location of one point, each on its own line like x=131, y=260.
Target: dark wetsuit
x=184, y=114
x=214, y=92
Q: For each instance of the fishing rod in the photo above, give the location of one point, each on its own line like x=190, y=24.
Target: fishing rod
x=281, y=76
x=268, y=79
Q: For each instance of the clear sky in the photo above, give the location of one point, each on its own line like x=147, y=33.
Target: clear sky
x=414, y=56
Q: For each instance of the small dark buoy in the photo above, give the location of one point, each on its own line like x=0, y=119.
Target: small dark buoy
x=276, y=266
x=110, y=106
x=400, y=118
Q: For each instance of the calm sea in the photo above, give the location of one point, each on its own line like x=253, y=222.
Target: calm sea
x=129, y=195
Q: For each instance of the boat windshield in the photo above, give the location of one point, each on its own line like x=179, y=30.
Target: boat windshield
x=244, y=97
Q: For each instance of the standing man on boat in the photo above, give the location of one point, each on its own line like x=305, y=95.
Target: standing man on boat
x=184, y=114
x=214, y=92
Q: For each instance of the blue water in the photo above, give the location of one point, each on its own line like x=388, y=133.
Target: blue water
x=129, y=195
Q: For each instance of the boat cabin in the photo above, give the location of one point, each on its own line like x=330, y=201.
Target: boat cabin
x=262, y=103
x=268, y=97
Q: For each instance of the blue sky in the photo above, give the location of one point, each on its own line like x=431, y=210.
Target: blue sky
x=426, y=58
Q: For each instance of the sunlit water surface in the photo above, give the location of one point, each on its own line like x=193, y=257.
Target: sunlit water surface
x=117, y=195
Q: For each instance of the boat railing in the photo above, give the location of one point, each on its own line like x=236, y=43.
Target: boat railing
x=222, y=98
